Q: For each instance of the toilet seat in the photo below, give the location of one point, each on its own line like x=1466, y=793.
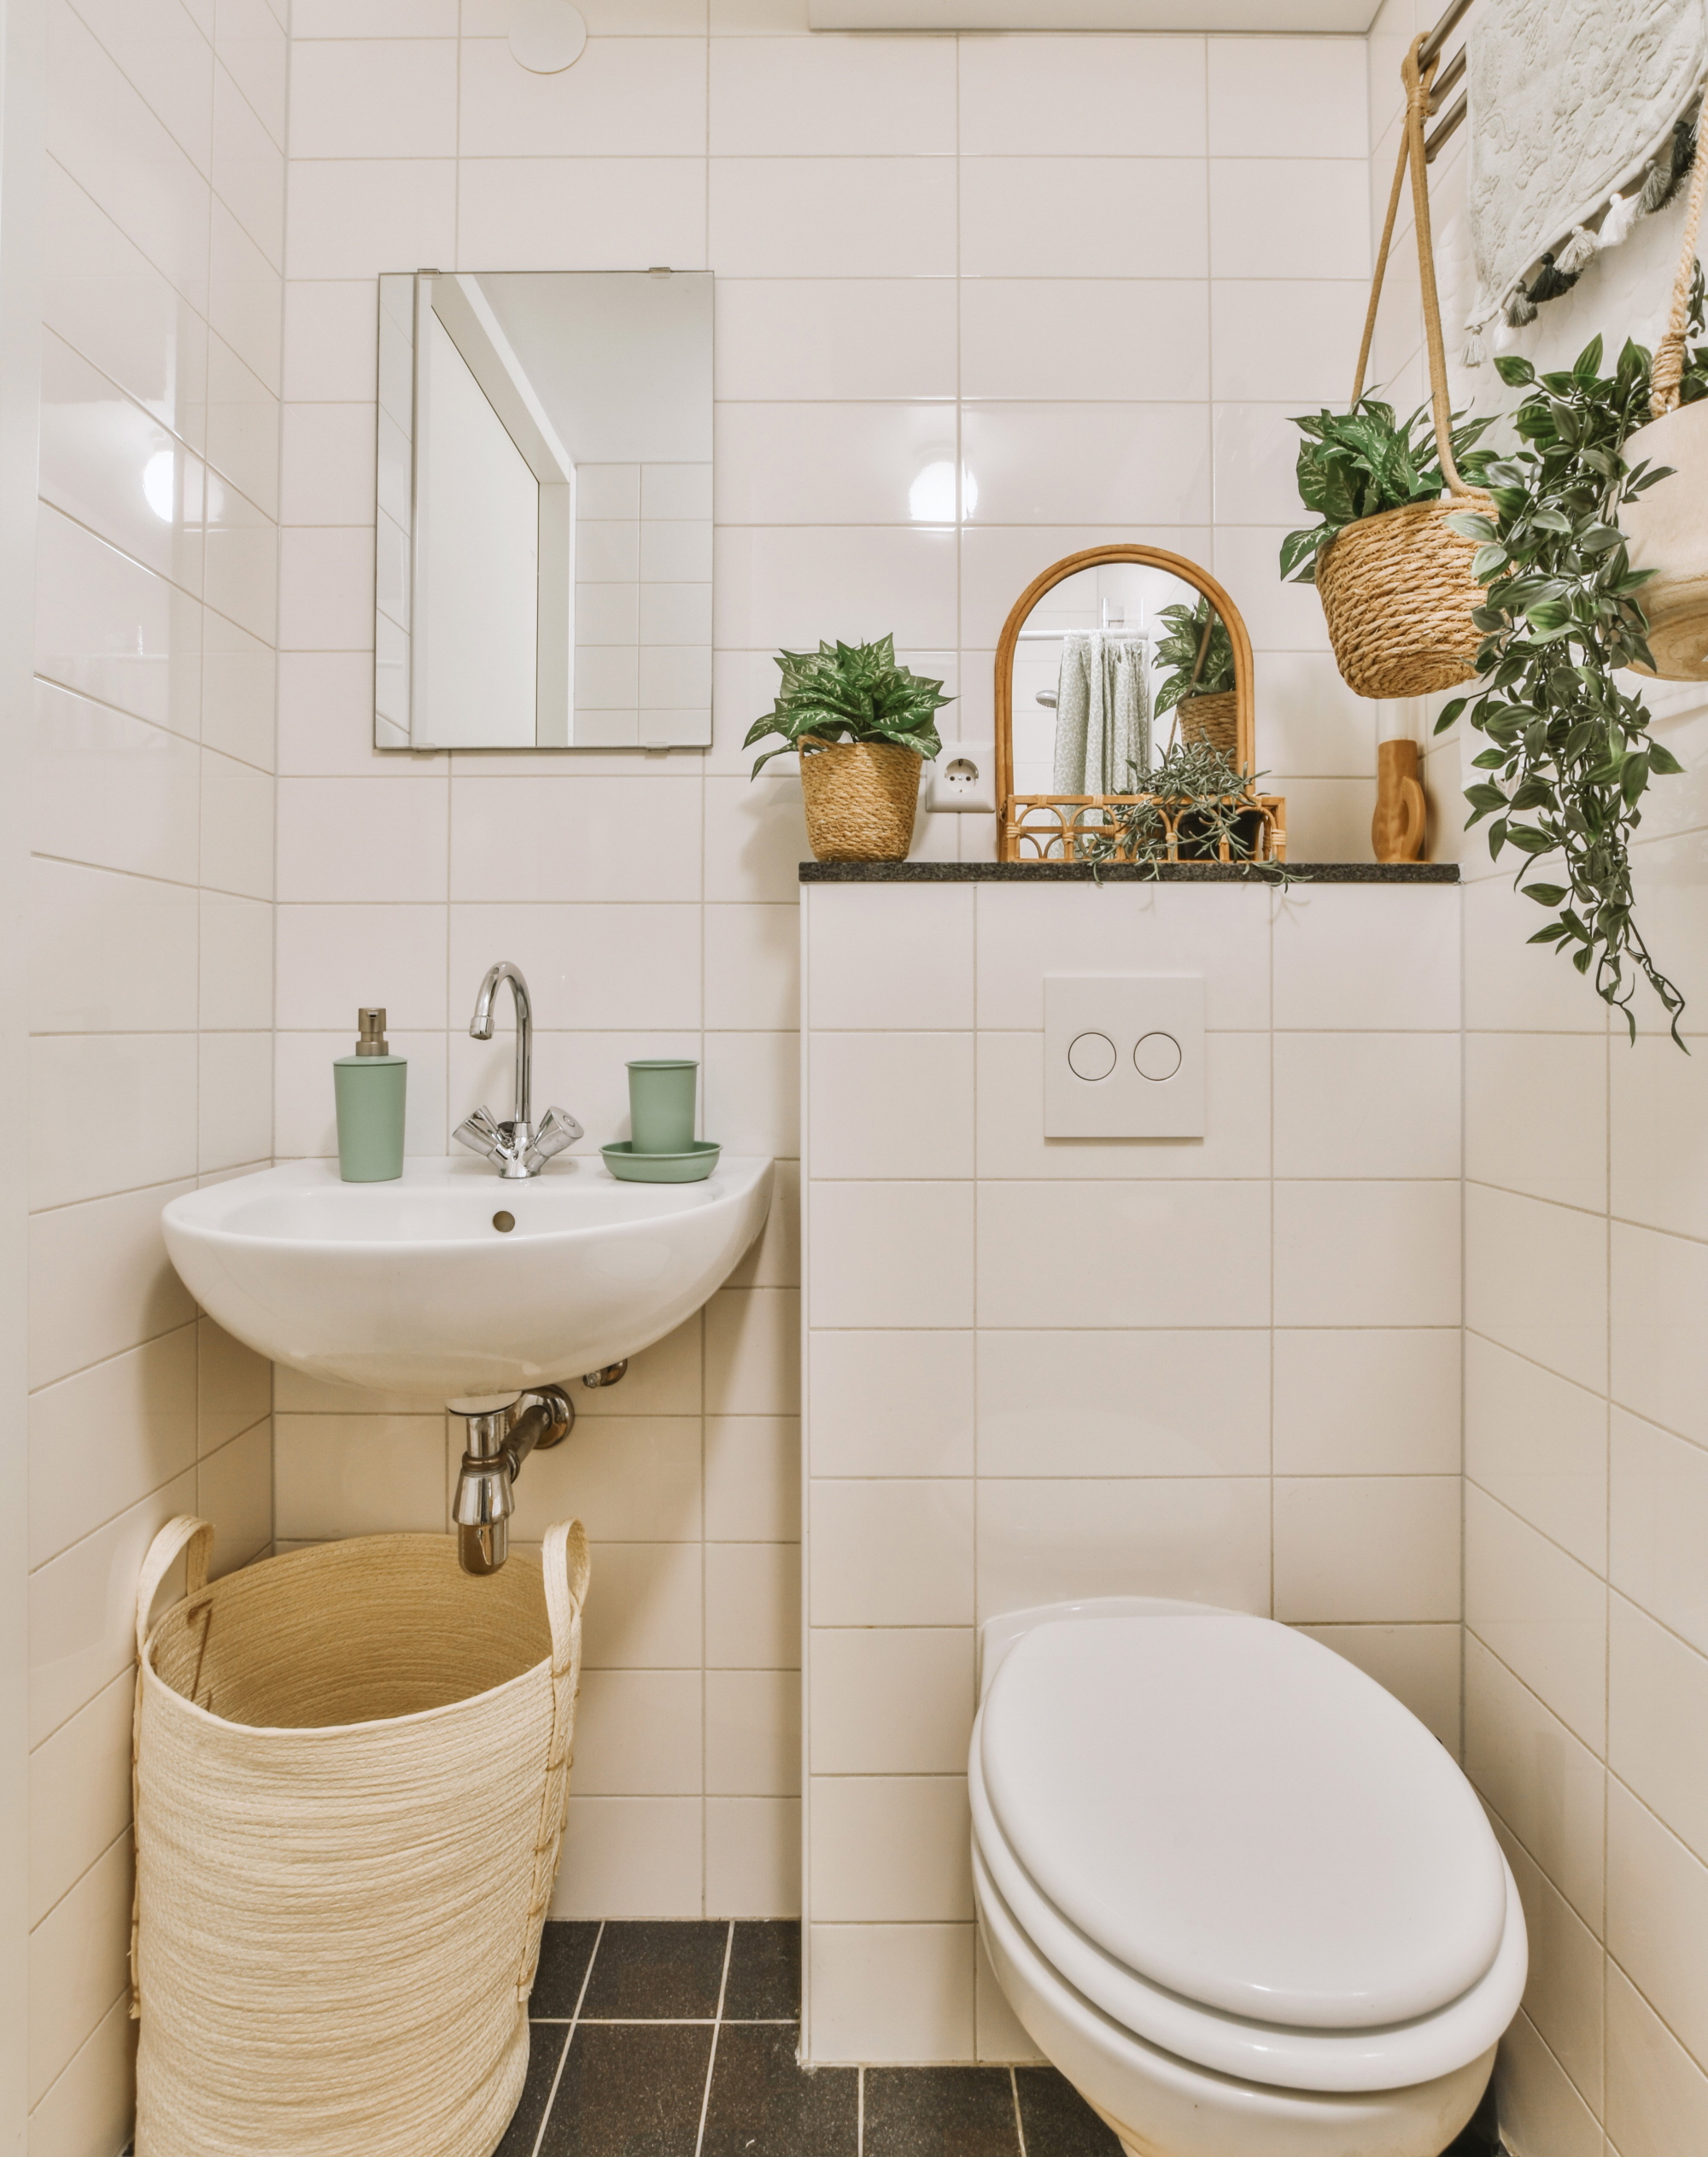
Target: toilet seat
x=1274, y=1875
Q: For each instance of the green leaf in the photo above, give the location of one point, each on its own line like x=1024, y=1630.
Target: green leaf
x=1544, y=894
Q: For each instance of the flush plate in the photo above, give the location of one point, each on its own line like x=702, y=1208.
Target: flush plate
x=1123, y=1055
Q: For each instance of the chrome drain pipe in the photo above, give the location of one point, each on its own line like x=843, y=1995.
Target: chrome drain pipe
x=497, y=1441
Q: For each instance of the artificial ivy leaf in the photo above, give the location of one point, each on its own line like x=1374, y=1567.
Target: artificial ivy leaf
x=1661, y=758
x=1515, y=373
x=1544, y=894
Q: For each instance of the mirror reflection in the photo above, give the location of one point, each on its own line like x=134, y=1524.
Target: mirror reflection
x=543, y=540
x=1110, y=666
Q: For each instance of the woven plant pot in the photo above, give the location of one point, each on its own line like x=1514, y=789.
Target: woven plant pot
x=860, y=799
x=1213, y=719
x=1666, y=530
x=1399, y=594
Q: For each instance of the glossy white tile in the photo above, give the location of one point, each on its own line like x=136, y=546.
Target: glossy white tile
x=1366, y=1549
x=1082, y=97
x=1536, y=1281
x=1541, y=1612
x=1205, y=1539
x=1369, y=1401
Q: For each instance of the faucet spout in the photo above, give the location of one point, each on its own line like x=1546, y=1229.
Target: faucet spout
x=480, y=1027
x=520, y=1147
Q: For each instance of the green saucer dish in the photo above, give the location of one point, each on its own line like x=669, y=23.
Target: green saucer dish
x=691, y=1166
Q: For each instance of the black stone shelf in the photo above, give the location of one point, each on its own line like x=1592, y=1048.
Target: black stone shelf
x=1126, y=872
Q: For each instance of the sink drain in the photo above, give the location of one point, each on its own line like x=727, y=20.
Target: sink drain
x=504, y=1223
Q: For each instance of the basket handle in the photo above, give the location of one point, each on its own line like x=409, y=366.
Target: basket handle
x=185, y=1531
x=567, y=1569
x=1418, y=77
x=1668, y=372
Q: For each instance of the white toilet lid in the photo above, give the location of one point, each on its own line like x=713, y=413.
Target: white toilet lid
x=1236, y=1813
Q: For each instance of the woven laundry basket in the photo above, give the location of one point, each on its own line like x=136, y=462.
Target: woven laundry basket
x=352, y=1765
x=860, y=799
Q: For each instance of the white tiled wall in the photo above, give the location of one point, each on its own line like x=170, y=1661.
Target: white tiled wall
x=150, y=926
x=1225, y=1368
x=1091, y=271
x=1585, y=1578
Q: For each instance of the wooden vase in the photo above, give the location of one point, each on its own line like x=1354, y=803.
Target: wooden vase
x=1396, y=830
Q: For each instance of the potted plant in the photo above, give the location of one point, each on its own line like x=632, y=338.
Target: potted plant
x=1667, y=533
x=1193, y=805
x=1198, y=655
x=864, y=727
x=1569, y=755
x=1392, y=571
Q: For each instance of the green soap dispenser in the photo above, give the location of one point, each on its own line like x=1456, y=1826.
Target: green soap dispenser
x=369, y=1089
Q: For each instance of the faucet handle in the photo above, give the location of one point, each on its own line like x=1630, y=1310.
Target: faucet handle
x=480, y=1133
x=556, y=1129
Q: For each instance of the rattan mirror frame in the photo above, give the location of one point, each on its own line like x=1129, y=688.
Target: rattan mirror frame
x=1090, y=557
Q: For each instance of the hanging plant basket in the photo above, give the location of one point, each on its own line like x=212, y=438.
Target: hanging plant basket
x=861, y=797
x=1398, y=595
x=1666, y=527
x=1212, y=719
x=1396, y=587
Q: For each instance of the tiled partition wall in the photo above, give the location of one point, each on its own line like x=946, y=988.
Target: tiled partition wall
x=150, y=930
x=1225, y=1368
x=1586, y=1551
x=1098, y=273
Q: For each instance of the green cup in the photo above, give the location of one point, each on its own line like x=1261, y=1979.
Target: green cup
x=661, y=1104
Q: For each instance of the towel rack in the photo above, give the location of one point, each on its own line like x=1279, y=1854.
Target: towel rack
x=1450, y=75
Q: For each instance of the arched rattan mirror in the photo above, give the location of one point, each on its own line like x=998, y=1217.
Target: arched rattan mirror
x=1109, y=658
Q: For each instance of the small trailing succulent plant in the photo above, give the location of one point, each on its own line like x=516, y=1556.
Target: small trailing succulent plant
x=1178, y=652
x=1570, y=754
x=1358, y=463
x=851, y=693
x=1198, y=790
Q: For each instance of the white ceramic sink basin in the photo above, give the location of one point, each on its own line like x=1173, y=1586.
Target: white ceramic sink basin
x=414, y=1287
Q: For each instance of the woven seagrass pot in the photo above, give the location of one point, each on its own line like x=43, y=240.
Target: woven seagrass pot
x=1666, y=530
x=1213, y=719
x=860, y=796
x=1398, y=594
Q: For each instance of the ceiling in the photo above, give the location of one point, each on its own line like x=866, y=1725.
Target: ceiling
x=1354, y=16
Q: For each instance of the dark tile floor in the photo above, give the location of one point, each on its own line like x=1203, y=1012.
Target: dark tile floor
x=678, y=2040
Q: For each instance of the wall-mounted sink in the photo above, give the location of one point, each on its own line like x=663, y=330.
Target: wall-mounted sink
x=450, y=1285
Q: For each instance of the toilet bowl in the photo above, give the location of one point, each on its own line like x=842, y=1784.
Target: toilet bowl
x=1238, y=1893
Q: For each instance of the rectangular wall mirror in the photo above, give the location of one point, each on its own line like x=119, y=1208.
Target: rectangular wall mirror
x=542, y=572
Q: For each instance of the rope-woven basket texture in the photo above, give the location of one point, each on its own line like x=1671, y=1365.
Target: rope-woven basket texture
x=1212, y=718
x=352, y=1768
x=1398, y=595
x=860, y=799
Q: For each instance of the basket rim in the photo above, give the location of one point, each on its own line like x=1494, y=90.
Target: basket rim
x=149, y=1675
x=1452, y=504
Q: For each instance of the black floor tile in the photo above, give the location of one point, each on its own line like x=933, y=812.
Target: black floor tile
x=763, y=2105
x=659, y=1970
x=939, y=2111
x=764, y=1974
x=545, y=2050
x=630, y=2091
x=564, y=1953
x=1055, y=2119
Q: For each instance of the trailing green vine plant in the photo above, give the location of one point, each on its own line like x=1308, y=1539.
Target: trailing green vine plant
x=1571, y=753
x=1200, y=791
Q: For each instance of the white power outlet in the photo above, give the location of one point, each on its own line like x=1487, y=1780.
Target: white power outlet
x=964, y=776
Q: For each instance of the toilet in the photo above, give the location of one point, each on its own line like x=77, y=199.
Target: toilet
x=1231, y=1888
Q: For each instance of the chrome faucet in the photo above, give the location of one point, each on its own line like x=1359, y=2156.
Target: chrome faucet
x=519, y=1146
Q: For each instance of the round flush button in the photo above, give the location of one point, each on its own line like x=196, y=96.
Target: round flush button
x=1091, y=1055
x=1157, y=1055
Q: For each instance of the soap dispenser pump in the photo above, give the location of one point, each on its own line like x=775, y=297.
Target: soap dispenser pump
x=369, y=1089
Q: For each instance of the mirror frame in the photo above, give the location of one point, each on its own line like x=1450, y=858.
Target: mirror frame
x=1090, y=557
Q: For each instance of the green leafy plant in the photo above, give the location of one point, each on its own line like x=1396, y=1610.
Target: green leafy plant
x=1198, y=791
x=1358, y=463
x=1178, y=652
x=851, y=693
x=1570, y=754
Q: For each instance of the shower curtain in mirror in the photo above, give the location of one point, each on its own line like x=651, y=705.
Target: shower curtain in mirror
x=1103, y=715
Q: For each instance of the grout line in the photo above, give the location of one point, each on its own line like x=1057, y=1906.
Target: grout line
x=563, y=2057
x=717, y=2024
x=860, y=2113
x=1019, y=2125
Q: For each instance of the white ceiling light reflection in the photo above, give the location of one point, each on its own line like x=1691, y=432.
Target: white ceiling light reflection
x=158, y=484
x=931, y=498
